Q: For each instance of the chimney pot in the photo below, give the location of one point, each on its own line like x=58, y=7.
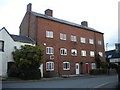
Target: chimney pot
x=29, y=7
x=49, y=12
x=84, y=23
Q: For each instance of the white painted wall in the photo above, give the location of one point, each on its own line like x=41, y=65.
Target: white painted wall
x=6, y=56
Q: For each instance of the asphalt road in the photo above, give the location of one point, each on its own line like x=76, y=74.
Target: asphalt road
x=91, y=82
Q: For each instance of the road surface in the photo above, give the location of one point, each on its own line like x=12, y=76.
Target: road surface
x=88, y=82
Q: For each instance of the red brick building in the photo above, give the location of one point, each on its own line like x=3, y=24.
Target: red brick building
x=70, y=48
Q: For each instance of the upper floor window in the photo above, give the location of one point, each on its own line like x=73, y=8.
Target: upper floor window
x=100, y=53
x=83, y=53
x=73, y=38
x=49, y=34
x=83, y=40
x=49, y=50
x=63, y=51
x=62, y=36
x=92, y=54
x=74, y=52
x=1, y=46
x=99, y=42
x=66, y=66
x=91, y=41
x=49, y=66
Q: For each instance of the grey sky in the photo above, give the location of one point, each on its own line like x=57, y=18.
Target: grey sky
x=100, y=14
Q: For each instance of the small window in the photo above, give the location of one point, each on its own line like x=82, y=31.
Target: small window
x=62, y=36
x=1, y=46
x=66, y=66
x=74, y=52
x=49, y=34
x=63, y=51
x=49, y=66
x=83, y=40
x=99, y=42
x=49, y=50
x=91, y=41
x=93, y=66
x=100, y=53
x=83, y=53
x=73, y=38
x=92, y=54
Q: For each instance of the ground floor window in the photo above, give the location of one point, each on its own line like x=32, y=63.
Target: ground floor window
x=49, y=66
x=93, y=66
x=66, y=66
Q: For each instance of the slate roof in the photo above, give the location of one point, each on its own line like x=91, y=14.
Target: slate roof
x=112, y=54
x=22, y=39
x=64, y=21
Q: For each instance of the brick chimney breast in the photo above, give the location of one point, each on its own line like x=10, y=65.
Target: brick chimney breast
x=49, y=12
x=84, y=23
x=29, y=7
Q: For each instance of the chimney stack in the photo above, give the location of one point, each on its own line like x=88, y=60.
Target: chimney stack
x=49, y=12
x=29, y=7
x=84, y=23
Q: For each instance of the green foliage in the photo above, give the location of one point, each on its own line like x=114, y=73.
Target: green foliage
x=104, y=65
x=98, y=71
x=27, y=60
x=98, y=61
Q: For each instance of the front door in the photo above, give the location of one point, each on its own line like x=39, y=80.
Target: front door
x=77, y=68
x=87, y=67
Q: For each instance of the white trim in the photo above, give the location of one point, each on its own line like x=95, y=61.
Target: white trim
x=91, y=41
x=65, y=51
x=50, y=66
x=49, y=50
x=83, y=40
x=83, y=53
x=74, y=51
x=49, y=34
x=67, y=68
x=62, y=36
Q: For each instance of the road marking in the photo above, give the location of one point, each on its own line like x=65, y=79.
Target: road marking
x=98, y=86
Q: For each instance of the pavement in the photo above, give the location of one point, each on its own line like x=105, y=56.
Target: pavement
x=14, y=80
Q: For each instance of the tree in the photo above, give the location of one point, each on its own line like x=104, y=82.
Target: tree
x=98, y=61
x=28, y=60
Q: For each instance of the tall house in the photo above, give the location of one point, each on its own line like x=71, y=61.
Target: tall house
x=70, y=48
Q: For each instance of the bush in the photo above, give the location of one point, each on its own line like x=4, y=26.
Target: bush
x=28, y=60
x=98, y=71
x=13, y=71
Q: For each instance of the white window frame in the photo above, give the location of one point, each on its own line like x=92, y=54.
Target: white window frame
x=73, y=38
x=73, y=50
x=99, y=42
x=83, y=52
x=68, y=66
x=83, y=40
x=92, y=53
x=49, y=34
x=63, y=51
x=49, y=66
x=100, y=53
x=62, y=36
x=93, y=66
x=49, y=50
x=91, y=41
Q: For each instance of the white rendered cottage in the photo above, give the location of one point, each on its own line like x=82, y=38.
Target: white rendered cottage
x=8, y=43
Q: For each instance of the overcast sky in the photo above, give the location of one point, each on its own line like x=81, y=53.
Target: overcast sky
x=101, y=15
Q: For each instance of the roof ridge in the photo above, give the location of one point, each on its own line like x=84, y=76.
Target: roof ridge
x=64, y=21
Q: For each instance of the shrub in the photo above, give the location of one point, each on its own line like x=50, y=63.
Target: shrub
x=28, y=60
x=98, y=71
